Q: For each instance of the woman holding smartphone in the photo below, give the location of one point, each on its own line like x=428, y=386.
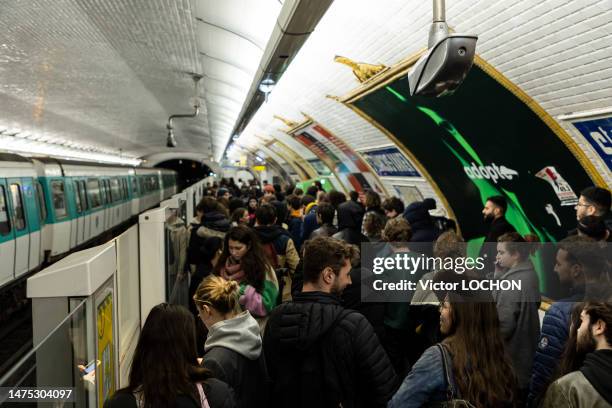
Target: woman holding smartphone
x=165, y=371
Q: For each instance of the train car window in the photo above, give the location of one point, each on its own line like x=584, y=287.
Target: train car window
x=77, y=197
x=42, y=206
x=143, y=185
x=18, y=209
x=58, y=196
x=83, y=193
x=5, y=223
x=134, y=186
x=115, y=190
x=93, y=185
x=107, y=187
x=124, y=189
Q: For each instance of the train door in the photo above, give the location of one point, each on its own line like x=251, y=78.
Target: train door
x=80, y=213
x=7, y=237
x=106, y=205
x=42, y=215
x=108, y=216
x=22, y=236
x=73, y=212
x=32, y=215
x=86, y=211
x=135, y=206
x=96, y=204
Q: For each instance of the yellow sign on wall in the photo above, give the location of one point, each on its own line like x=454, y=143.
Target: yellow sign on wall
x=105, y=372
x=259, y=168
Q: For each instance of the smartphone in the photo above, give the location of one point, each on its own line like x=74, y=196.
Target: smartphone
x=90, y=367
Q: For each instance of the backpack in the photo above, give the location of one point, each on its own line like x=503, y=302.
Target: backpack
x=281, y=273
x=271, y=254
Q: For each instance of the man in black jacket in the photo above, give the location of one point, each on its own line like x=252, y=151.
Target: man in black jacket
x=318, y=353
x=494, y=213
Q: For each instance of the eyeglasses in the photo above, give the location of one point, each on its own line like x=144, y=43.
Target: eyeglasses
x=583, y=205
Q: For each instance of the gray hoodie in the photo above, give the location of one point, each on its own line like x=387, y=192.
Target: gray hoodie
x=233, y=353
x=240, y=334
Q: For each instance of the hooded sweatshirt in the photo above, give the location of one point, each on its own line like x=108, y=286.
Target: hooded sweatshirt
x=350, y=217
x=233, y=352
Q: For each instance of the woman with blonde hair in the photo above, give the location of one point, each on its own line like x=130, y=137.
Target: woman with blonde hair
x=233, y=348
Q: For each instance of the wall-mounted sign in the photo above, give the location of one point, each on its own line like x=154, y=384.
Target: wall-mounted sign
x=300, y=166
x=482, y=141
x=105, y=371
x=390, y=162
x=349, y=167
x=320, y=167
x=598, y=132
x=259, y=168
x=408, y=194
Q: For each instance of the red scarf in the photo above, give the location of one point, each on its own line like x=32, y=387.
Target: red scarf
x=232, y=271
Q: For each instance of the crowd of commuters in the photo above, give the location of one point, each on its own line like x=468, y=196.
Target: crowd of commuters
x=277, y=318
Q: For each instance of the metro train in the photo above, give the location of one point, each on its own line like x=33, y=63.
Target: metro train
x=48, y=206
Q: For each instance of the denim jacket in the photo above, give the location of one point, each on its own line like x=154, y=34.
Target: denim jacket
x=425, y=383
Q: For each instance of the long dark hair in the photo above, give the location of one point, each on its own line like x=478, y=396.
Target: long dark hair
x=482, y=370
x=165, y=359
x=254, y=263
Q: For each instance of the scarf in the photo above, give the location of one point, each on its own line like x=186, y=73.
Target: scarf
x=232, y=271
x=597, y=368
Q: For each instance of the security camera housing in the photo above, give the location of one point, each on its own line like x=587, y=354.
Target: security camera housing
x=444, y=67
x=171, y=140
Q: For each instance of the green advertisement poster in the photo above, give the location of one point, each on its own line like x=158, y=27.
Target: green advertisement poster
x=485, y=141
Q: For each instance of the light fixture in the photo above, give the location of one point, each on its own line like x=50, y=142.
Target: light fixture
x=266, y=86
x=171, y=140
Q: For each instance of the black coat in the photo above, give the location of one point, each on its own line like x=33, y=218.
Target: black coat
x=499, y=227
x=218, y=394
x=247, y=377
x=319, y=354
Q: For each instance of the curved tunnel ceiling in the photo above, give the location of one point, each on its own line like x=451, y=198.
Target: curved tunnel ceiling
x=559, y=53
x=103, y=77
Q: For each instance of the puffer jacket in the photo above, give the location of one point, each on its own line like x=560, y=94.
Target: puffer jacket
x=554, y=335
x=353, y=366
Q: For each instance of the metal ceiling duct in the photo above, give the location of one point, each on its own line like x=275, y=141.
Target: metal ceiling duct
x=296, y=21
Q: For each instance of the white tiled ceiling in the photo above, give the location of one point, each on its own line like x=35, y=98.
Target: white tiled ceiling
x=110, y=73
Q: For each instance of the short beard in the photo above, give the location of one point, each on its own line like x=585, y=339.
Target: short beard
x=586, y=344
x=335, y=289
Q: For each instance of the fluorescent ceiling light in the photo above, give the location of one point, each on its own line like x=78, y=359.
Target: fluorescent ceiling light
x=36, y=147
